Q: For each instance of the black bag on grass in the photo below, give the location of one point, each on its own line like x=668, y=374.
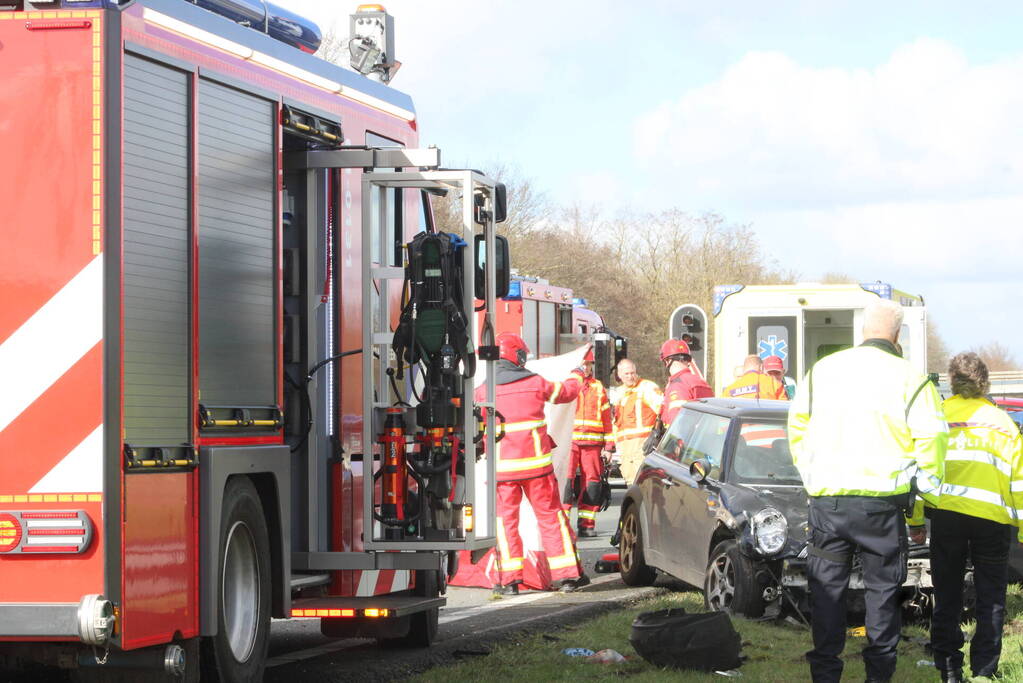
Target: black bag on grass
x=672, y=638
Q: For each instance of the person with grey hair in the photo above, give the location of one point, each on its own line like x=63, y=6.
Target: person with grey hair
x=975, y=518
x=865, y=431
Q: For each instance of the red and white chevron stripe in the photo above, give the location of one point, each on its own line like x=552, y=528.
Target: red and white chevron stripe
x=381, y=581
x=51, y=419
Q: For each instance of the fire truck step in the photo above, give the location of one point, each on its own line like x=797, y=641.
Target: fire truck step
x=309, y=580
x=376, y=606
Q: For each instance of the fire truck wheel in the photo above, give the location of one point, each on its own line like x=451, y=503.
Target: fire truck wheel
x=238, y=652
x=423, y=626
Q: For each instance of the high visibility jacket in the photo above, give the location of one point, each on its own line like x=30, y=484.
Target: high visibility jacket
x=592, y=414
x=853, y=430
x=755, y=384
x=526, y=449
x=636, y=410
x=984, y=462
x=683, y=386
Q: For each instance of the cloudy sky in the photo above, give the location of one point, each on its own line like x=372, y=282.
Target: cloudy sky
x=879, y=139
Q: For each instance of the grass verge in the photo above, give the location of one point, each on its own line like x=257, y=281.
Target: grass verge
x=775, y=651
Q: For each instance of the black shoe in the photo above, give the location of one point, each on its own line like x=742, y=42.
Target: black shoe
x=953, y=676
x=571, y=585
x=586, y=533
x=510, y=589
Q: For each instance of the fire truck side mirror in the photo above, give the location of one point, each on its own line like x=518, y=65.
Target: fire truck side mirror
x=500, y=203
x=502, y=269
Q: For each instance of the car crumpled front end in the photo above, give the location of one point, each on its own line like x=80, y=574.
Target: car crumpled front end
x=917, y=590
x=773, y=530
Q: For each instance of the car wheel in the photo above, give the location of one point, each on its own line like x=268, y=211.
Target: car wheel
x=730, y=585
x=237, y=653
x=633, y=567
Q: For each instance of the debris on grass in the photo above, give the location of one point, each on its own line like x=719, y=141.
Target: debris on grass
x=607, y=657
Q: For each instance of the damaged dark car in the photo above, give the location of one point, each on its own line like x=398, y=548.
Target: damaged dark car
x=719, y=505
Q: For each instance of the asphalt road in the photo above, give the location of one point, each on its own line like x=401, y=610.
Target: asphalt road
x=469, y=623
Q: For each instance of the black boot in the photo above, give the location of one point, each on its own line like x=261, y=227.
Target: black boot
x=586, y=532
x=953, y=676
x=571, y=585
x=510, y=589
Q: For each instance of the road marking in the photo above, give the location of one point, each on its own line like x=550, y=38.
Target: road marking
x=464, y=613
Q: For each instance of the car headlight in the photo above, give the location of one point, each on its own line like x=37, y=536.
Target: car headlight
x=770, y=531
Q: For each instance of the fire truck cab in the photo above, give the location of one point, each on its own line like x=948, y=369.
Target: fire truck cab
x=238, y=353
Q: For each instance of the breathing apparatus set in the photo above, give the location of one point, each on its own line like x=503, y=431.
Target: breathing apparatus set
x=433, y=336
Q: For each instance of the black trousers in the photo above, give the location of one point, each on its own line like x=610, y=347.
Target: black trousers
x=955, y=538
x=874, y=528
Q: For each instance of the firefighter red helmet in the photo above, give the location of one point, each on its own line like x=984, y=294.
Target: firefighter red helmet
x=588, y=358
x=674, y=347
x=774, y=364
x=512, y=348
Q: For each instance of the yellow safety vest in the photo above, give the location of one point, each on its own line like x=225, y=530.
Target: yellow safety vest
x=854, y=432
x=984, y=462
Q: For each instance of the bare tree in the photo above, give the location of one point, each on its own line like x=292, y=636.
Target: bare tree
x=334, y=46
x=997, y=357
x=937, y=349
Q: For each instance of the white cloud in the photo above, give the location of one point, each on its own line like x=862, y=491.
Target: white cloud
x=909, y=172
x=949, y=241
x=773, y=133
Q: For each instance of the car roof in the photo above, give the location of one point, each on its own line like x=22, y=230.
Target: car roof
x=741, y=407
x=1011, y=403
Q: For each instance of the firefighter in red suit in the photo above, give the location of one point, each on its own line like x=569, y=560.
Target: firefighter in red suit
x=684, y=383
x=524, y=467
x=591, y=434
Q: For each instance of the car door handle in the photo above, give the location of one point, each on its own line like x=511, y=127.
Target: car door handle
x=668, y=481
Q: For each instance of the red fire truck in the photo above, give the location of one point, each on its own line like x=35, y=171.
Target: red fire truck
x=551, y=320
x=225, y=300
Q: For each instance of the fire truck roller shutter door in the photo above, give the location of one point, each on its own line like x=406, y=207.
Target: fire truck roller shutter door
x=156, y=252
x=236, y=164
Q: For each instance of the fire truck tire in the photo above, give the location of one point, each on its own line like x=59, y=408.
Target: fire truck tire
x=238, y=652
x=423, y=626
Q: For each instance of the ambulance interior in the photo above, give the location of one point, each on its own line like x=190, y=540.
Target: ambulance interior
x=826, y=331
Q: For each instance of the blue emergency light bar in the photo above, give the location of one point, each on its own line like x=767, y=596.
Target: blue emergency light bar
x=514, y=290
x=882, y=289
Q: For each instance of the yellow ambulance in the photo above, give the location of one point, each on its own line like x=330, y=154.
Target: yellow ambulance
x=804, y=322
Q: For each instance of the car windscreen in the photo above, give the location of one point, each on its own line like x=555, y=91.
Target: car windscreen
x=762, y=454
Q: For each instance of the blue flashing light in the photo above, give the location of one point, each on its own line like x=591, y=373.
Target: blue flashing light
x=882, y=289
x=722, y=292
x=579, y=301
x=514, y=290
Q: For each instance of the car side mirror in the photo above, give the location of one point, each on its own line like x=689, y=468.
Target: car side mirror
x=502, y=270
x=699, y=470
